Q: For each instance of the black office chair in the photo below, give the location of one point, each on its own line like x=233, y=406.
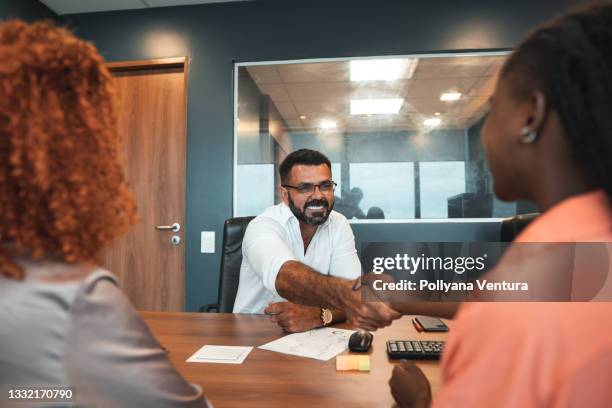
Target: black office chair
x=231, y=258
x=512, y=227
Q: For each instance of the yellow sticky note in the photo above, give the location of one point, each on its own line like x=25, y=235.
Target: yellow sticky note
x=364, y=363
x=341, y=363
x=352, y=363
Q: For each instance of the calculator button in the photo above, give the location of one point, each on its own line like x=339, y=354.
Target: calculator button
x=416, y=346
x=393, y=347
x=401, y=347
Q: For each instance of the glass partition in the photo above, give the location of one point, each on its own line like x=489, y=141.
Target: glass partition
x=402, y=133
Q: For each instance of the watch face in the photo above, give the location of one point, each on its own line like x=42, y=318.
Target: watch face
x=327, y=316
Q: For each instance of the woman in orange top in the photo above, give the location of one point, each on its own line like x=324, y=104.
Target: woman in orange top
x=548, y=139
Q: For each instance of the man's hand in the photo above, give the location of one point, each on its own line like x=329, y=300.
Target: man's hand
x=409, y=386
x=368, y=315
x=294, y=318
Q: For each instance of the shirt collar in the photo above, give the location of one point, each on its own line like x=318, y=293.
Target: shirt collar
x=582, y=218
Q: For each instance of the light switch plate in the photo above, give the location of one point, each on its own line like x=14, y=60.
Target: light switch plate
x=207, y=245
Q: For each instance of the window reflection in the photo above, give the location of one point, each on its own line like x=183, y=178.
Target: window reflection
x=337, y=176
x=255, y=188
x=439, y=182
x=382, y=190
x=405, y=141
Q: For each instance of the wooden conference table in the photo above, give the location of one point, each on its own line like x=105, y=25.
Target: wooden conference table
x=269, y=379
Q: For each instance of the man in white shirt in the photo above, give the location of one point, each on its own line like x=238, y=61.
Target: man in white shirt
x=299, y=260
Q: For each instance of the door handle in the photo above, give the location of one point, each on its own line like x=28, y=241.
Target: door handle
x=176, y=227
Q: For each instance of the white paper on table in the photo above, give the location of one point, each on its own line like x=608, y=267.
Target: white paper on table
x=320, y=344
x=220, y=354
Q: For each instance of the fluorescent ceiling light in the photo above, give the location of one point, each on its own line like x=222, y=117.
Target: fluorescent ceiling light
x=382, y=69
x=450, y=96
x=375, y=106
x=432, y=122
x=328, y=124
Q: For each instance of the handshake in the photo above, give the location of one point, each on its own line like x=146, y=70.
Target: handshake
x=364, y=308
x=353, y=301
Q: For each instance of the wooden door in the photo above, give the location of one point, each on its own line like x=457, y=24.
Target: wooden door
x=151, y=98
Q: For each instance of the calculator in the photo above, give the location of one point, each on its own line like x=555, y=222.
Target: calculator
x=415, y=349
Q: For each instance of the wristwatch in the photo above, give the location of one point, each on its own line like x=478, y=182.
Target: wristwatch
x=326, y=316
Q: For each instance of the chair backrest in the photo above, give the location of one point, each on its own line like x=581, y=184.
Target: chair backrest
x=512, y=227
x=231, y=258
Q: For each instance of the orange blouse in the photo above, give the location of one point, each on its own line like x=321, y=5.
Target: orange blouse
x=536, y=354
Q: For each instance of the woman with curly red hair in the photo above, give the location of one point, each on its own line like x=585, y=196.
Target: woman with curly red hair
x=63, y=198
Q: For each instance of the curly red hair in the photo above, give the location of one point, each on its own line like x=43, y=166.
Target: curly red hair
x=62, y=189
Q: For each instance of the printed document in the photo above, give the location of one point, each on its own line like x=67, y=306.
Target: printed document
x=321, y=344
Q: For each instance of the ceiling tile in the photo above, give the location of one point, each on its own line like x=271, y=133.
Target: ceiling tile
x=316, y=110
x=295, y=124
x=323, y=91
x=319, y=91
x=277, y=92
x=264, y=74
x=315, y=72
x=427, y=106
x=496, y=65
x=483, y=87
x=433, y=88
x=287, y=110
x=451, y=67
x=476, y=108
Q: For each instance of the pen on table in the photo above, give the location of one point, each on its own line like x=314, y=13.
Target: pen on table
x=417, y=326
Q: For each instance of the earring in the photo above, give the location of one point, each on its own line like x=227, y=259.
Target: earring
x=529, y=135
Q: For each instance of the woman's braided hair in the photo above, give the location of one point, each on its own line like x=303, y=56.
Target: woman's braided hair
x=570, y=61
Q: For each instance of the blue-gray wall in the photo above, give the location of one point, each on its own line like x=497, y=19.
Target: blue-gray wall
x=25, y=9
x=215, y=36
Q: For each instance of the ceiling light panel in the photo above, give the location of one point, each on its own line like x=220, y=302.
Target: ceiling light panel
x=383, y=69
x=432, y=122
x=328, y=124
x=450, y=96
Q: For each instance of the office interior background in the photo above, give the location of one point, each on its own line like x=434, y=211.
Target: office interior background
x=264, y=77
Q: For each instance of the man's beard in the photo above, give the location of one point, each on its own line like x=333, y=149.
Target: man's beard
x=316, y=217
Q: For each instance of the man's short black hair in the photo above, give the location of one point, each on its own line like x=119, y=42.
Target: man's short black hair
x=303, y=156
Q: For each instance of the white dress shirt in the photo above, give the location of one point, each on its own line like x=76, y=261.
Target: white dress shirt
x=274, y=238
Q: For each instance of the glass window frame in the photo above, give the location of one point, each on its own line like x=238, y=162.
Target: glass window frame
x=239, y=64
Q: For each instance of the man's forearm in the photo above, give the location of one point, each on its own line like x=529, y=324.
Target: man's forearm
x=301, y=284
x=338, y=316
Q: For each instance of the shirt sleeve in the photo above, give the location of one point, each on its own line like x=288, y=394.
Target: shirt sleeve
x=265, y=248
x=112, y=359
x=344, y=261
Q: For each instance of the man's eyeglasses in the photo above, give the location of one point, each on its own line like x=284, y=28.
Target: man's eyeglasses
x=325, y=187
